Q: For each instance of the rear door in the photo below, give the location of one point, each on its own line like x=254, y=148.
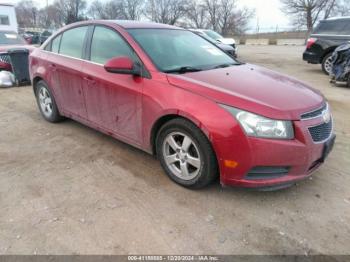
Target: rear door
x=68, y=65
x=113, y=101
x=51, y=66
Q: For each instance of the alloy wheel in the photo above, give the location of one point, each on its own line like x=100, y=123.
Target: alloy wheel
x=328, y=65
x=45, y=102
x=181, y=155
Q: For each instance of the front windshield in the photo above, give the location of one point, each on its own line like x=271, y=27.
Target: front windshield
x=172, y=49
x=211, y=40
x=213, y=34
x=10, y=38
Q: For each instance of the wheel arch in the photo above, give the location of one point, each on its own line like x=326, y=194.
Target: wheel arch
x=36, y=79
x=168, y=117
x=327, y=52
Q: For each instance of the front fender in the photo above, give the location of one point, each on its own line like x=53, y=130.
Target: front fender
x=223, y=131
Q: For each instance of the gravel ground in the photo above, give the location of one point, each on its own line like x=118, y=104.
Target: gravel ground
x=67, y=189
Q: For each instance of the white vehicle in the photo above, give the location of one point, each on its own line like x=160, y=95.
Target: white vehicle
x=217, y=37
x=8, y=19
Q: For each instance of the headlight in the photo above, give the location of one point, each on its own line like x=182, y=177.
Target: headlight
x=259, y=126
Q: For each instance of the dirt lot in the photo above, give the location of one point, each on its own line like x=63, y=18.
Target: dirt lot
x=67, y=189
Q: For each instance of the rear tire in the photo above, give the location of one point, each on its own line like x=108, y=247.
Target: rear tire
x=46, y=103
x=327, y=64
x=186, y=154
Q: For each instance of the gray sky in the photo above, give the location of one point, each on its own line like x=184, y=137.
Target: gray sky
x=268, y=13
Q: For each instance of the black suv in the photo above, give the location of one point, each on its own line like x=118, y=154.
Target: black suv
x=326, y=37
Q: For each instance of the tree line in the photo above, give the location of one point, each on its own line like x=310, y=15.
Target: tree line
x=223, y=16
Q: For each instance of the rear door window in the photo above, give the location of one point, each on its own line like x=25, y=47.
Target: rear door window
x=72, y=42
x=346, y=30
x=106, y=44
x=331, y=27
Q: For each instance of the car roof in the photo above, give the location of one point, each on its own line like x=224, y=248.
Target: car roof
x=337, y=18
x=128, y=24
x=125, y=24
x=195, y=29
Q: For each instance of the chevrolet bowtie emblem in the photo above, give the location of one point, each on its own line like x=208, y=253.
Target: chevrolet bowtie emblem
x=326, y=116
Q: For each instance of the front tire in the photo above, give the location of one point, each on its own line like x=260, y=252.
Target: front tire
x=46, y=103
x=186, y=154
x=327, y=64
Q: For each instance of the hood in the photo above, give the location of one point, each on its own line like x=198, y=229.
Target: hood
x=227, y=41
x=4, y=48
x=225, y=47
x=252, y=88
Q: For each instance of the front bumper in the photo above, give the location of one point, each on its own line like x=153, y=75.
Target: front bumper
x=297, y=159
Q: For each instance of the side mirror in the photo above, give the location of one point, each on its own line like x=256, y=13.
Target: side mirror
x=122, y=65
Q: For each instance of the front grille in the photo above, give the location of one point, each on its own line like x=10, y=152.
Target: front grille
x=321, y=132
x=315, y=113
x=5, y=58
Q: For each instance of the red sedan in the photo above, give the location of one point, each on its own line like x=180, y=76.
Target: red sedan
x=173, y=94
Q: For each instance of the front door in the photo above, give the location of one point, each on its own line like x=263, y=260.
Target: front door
x=113, y=101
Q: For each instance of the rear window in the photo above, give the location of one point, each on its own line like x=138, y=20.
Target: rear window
x=333, y=27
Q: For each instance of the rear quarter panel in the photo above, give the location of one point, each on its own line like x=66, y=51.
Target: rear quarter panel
x=37, y=68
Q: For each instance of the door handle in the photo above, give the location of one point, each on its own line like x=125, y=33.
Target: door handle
x=90, y=80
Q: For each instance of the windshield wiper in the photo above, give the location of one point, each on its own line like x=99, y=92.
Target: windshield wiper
x=223, y=66
x=183, y=70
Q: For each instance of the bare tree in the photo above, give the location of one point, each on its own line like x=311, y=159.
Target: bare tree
x=329, y=8
x=221, y=15
x=225, y=17
x=239, y=21
x=342, y=8
x=49, y=17
x=71, y=10
x=197, y=14
x=132, y=9
x=166, y=11
x=27, y=13
x=106, y=10
x=213, y=8
x=307, y=12
x=96, y=10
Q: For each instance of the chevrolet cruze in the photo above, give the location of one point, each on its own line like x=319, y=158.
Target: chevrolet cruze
x=173, y=94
